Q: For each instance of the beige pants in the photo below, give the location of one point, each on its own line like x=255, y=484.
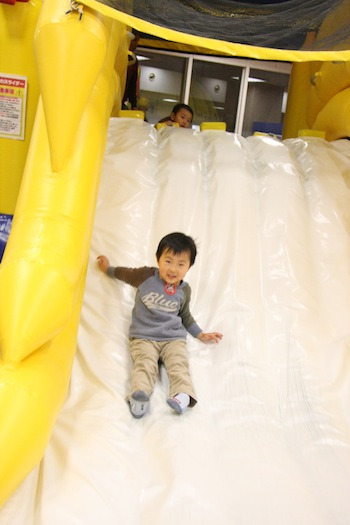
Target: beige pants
x=146, y=355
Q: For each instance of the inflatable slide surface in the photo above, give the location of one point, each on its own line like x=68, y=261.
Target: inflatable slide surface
x=269, y=440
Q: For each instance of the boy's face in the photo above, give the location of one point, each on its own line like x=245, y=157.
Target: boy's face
x=173, y=267
x=183, y=118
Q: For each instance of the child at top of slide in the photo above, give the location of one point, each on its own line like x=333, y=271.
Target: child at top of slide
x=182, y=114
x=161, y=318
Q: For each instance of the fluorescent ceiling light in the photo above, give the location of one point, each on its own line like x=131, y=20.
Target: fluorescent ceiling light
x=170, y=100
x=141, y=57
x=252, y=79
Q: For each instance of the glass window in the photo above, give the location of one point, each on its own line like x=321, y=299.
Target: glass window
x=266, y=102
x=214, y=92
x=161, y=83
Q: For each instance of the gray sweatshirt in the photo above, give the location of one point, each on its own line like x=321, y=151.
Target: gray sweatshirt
x=160, y=313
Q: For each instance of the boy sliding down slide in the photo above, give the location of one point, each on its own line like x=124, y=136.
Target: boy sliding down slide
x=161, y=318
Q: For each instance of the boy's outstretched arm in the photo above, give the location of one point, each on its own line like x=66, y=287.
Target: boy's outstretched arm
x=210, y=336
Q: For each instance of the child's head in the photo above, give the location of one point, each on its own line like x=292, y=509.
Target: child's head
x=182, y=114
x=175, y=254
x=177, y=243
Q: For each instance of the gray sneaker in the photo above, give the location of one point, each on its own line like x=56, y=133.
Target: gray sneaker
x=139, y=403
x=175, y=405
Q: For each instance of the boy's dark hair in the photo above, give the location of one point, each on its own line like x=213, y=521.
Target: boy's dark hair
x=178, y=107
x=177, y=243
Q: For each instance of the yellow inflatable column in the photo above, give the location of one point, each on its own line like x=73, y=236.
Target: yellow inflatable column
x=335, y=117
x=73, y=43
x=49, y=241
x=43, y=270
x=318, y=99
x=298, y=95
x=329, y=106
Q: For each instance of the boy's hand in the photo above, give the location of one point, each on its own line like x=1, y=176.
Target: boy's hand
x=103, y=263
x=211, y=336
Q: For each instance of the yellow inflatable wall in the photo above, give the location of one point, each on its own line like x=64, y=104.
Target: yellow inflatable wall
x=319, y=92
x=42, y=273
x=43, y=270
x=17, y=25
x=319, y=99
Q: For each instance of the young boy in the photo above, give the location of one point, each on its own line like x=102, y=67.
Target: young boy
x=161, y=318
x=182, y=114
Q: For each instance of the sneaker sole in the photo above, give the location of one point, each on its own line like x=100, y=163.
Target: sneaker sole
x=175, y=406
x=141, y=397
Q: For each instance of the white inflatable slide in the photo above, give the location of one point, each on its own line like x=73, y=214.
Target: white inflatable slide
x=269, y=441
